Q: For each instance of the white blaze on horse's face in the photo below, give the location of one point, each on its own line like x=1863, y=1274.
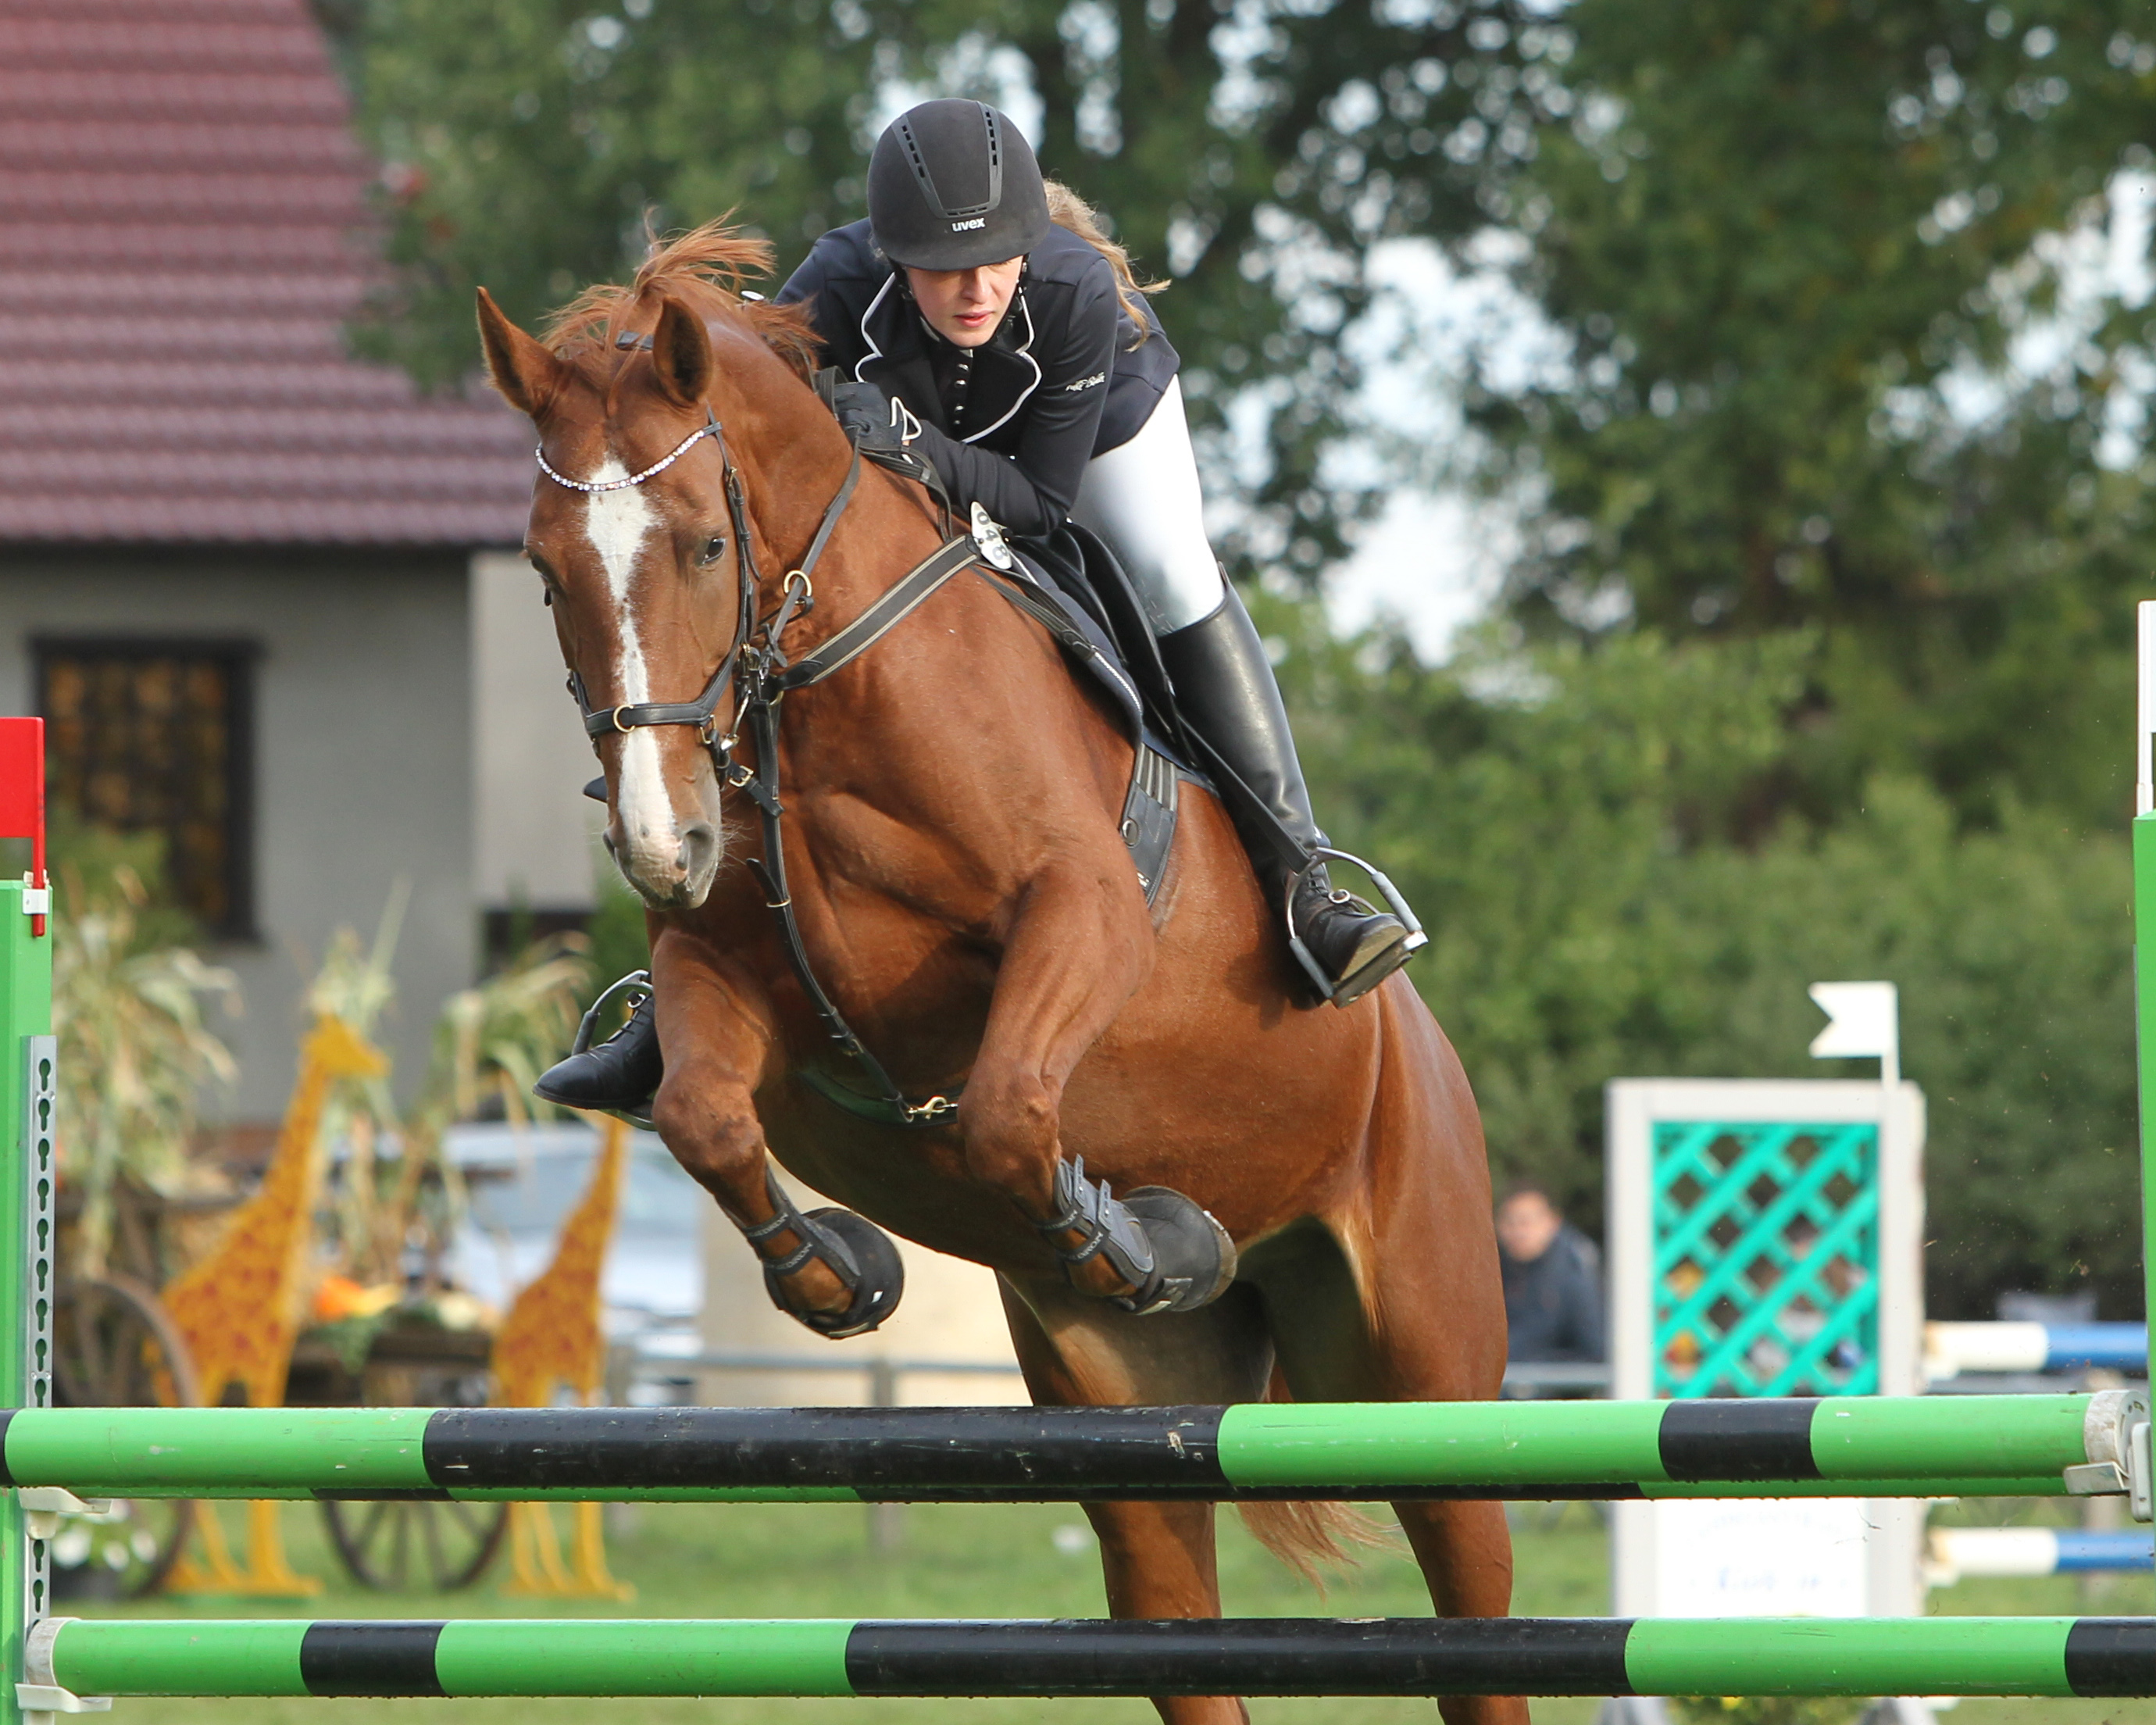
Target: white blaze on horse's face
x=667, y=855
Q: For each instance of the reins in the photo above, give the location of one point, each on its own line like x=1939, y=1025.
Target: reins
x=764, y=676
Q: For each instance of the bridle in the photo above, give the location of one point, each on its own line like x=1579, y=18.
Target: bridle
x=799, y=597
x=756, y=665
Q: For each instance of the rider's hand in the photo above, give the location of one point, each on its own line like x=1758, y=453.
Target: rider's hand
x=871, y=418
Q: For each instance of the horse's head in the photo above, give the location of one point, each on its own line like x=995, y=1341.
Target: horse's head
x=631, y=534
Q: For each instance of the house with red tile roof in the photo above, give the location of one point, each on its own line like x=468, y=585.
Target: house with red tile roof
x=263, y=592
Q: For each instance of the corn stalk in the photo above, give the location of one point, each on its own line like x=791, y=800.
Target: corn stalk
x=398, y=1191
x=135, y=1053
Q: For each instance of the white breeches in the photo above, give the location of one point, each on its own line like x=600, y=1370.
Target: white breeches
x=1142, y=499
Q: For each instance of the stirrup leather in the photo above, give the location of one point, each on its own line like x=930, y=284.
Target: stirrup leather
x=1110, y=1231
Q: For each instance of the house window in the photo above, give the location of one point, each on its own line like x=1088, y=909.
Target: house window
x=157, y=737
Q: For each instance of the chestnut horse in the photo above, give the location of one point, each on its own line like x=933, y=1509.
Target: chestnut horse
x=951, y=847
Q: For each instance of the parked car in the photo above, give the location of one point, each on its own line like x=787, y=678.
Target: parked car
x=524, y=1181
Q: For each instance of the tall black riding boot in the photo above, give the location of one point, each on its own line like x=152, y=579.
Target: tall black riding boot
x=1224, y=689
x=618, y=1076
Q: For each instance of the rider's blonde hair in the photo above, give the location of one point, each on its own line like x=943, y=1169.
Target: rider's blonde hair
x=1068, y=210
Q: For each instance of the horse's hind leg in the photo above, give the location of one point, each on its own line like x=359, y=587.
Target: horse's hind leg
x=1157, y=1559
x=1424, y=1319
x=1427, y=1342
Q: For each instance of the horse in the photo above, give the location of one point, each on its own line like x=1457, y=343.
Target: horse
x=964, y=896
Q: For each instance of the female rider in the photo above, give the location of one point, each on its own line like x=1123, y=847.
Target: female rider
x=980, y=317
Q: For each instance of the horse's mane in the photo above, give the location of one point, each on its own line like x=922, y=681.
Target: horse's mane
x=704, y=269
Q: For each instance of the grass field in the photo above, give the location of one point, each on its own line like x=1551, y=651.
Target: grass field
x=962, y=1560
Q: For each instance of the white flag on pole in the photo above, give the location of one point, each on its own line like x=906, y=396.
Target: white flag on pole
x=1864, y=1021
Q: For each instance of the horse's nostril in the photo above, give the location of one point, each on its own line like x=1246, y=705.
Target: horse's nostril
x=699, y=841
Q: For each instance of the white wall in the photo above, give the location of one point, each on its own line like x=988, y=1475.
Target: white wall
x=951, y=1311
x=363, y=759
x=532, y=828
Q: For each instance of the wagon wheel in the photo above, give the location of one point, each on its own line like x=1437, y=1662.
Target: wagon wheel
x=114, y=1347
x=432, y=1546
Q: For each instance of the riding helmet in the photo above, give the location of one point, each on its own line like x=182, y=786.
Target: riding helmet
x=953, y=186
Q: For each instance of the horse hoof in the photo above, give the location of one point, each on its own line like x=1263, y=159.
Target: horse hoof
x=864, y=1258
x=1194, y=1259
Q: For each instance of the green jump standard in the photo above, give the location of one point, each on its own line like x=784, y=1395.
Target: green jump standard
x=1850, y=1446
x=1938, y=1656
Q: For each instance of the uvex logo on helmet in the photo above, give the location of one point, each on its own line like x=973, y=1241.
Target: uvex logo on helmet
x=953, y=186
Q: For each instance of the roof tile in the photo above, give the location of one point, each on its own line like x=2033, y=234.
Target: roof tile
x=189, y=230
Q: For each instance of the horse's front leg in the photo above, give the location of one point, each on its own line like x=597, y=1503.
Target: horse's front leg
x=1081, y=945
x=837, y=1274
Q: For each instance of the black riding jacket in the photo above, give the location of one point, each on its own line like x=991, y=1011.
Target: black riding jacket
x=1012, y=424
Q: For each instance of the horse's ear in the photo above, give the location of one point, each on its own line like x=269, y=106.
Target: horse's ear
x=681, y=354
x=521, y=368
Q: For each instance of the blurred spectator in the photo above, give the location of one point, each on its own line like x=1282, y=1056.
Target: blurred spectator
x=1553, y=1281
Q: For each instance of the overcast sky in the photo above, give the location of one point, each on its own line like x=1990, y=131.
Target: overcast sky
x=1435, y=557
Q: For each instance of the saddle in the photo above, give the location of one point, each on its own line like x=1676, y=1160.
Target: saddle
x=1073, y=586
x=1115, y=644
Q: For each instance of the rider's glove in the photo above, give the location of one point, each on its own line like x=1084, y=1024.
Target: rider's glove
x=872, y=419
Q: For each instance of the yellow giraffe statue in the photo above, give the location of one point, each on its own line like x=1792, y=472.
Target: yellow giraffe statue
x=551, y=1337
x=239, y=1308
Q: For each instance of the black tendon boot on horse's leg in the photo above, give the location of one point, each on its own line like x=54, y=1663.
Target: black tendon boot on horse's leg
x=1173, y=1253
x=852, y=1248
x=1226, y=691
x=618, y=1076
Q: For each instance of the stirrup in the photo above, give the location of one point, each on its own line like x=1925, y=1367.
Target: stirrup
x=1329, y=988
x=638, y=984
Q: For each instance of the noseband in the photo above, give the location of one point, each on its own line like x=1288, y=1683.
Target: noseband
x=702, y=713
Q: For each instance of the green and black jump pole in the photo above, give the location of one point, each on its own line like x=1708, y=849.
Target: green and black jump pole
x=28, y=1097
x=2144, y=954
x=1863, y=1446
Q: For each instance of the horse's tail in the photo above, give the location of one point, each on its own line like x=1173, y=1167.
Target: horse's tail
x=1311, y=1538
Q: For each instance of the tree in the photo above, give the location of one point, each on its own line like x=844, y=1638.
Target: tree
x=1550, y=816
x=1788, y=247
x=1249, y=152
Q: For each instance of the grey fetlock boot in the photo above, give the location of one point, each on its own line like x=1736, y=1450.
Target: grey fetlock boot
x=1173, y=1253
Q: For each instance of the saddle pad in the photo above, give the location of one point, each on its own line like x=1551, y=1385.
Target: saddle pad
x=1106, y=664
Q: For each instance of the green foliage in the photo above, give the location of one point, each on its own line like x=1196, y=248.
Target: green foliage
x=1779, y=242
x=395, y=1189
x=1569, y=824
x=90, y=863
x=525, y=144
x=136, y=1051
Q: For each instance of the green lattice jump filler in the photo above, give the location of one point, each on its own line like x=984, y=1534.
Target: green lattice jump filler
x=1766, y=1261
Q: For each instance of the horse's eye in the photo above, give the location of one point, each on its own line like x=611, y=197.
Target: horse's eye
x=715, y=547
x=545, y=595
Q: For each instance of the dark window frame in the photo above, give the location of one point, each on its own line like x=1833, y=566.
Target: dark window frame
x=239, y=656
